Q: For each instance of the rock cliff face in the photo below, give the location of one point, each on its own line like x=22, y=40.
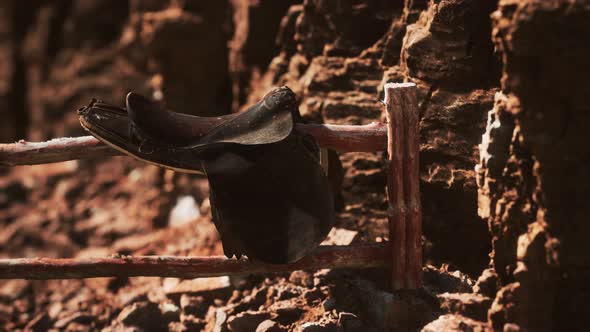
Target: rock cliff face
x=504, y=173
x=448, y=53
x=534, y=165
x=66, y=52
x=444, y=46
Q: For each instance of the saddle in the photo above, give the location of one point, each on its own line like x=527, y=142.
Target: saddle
x=270, y=198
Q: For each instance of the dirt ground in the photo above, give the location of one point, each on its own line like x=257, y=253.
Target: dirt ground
x=503, y=167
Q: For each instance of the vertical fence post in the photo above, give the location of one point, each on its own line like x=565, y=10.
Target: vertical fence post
x=412, y=189
x=403, y=185
x=396, y=210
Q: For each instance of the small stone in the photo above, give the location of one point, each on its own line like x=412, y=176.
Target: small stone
x=13, y=289
x=269, y=326
x=177, y=327
x=286, y=293
x=287, y=311
x=168, y=284
x=74, y=317
x=170, y=312
x=471, y=305
x=487, y=283
x=340, y=237
x=312, y=295
x=192, y=323
x=319, y=278
x=317, y=327
x=441, y=280
x=456, y=323
x=216, y=319
x=54, y=309
x=193, y=305
x=142, y=314
x=211, y=288
x=349, y=322
x=40, y=323
x=511, y=327
x=185, y=211
x=239, y=281
x=329, y=304
x=129, y=295
x=301, y=278
x=397, y=310
x=237, y=296
x=258, y=296
x=77, y=327
x=6, y=310
x=205, y=208
x=247, y=321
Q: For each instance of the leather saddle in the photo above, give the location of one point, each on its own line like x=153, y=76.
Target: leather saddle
x=270, y=198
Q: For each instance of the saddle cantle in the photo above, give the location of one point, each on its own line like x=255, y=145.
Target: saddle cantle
x=270, y=198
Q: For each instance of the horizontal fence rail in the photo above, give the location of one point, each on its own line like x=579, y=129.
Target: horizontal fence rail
x=325, y=257
x=345, y=138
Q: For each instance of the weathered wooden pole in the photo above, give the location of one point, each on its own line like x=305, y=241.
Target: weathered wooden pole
x=345, y=138
x=403, y=191
x=325, y=257
x=412, y=190
x=396, y=210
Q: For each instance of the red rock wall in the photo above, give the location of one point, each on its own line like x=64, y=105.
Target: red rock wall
x=6, y=70
x=61, y=53
x=448, y=53
x=12, y=84
x=336, y=56
x=534, y=170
